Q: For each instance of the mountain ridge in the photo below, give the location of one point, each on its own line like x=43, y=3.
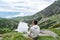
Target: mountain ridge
x=49, y=11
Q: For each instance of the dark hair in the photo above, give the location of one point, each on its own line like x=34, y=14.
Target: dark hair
x=35, y=22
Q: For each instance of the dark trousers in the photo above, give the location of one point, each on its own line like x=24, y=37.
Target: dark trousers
x=36, y=38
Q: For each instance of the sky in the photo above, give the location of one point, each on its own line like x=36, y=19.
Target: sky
x=15, y=8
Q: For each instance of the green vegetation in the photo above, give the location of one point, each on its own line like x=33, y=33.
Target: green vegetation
x=57, y=31
x=52, y=21
x=46, y=24
x=7, y=25
x=46, y=38
x=15, y=36
x=49, y=18
x=5, y=30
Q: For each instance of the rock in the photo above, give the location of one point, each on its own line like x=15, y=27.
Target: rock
x=0, y=36
x=48, y=33
x=57, y=28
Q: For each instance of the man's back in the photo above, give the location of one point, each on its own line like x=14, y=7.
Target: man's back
x=35, y=30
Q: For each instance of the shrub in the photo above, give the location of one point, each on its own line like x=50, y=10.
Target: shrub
x=4, y=30
x=56, y=25
x=14, y=36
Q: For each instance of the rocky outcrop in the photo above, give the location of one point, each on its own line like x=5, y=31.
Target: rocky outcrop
x=50, y=10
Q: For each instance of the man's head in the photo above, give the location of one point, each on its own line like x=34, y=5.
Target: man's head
x=34, y=22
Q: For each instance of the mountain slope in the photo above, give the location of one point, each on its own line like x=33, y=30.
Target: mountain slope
x=49, y=11
x=49, y=17
x=7, y=23
x=52, y=21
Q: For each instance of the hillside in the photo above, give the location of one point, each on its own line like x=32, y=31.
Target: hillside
x=51, y=10
x=46, y=17
x=48, y=21
x=7, y=23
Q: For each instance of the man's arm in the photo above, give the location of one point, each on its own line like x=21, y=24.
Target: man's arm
x=30, y=32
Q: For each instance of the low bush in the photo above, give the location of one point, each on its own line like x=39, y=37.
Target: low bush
x=14, y=36
x=56, y=25
x=5, y=30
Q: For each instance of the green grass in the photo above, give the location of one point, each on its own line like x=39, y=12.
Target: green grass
x=14, y=36
x=46, y=38
x=59, y=38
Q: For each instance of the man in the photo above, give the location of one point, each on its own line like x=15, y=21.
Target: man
x=34, y=30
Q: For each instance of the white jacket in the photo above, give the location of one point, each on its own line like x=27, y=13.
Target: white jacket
x=34, y=31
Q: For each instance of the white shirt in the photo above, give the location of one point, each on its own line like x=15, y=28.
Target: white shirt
x=34, y=31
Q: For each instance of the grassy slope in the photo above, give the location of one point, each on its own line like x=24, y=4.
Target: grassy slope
x=50, y=21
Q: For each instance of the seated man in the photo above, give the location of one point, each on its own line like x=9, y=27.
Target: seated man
x=34, y=30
